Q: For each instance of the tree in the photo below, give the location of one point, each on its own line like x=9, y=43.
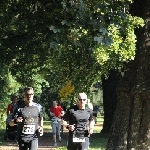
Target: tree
x=99, y=36
x=91, y=37
x=109, y=99
x=66, y=91
x=130, y=129
x=66, y=40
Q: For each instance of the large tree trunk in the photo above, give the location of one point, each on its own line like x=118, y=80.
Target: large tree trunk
x=131, y=124
x=109, y=100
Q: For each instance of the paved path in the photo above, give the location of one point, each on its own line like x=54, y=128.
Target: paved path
x=45, y=142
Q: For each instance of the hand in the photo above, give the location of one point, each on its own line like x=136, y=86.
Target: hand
x=90, y=131
x=19, y=119
x=62, y=113
x=71, y=127
x=53, y=115
x=11, y=123
x=41, y=130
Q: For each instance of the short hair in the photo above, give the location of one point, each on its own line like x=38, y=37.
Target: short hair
x=55, y=100
x=82, y=94
x=27, y=89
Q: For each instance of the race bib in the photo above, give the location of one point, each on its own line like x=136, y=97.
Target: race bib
x=78, y=139
x=28, y=129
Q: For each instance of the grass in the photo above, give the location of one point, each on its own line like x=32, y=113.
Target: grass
x=97, y=142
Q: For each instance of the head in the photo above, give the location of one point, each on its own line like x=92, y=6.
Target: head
x=28, y=94
x=14, y=99
x=82, y=100
x=55, y=103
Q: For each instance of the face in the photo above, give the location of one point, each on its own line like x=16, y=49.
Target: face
x=29, y=94
x=15, y=100
x=54, y=103
x=82, y=99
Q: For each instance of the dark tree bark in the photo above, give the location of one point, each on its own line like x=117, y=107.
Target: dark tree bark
x=109, y=100
x=131, y=124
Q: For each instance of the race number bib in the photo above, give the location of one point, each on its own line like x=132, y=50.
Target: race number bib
x=28, y=129
x=78, y=135
x=78, y=139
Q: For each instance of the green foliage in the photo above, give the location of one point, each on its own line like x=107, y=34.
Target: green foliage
x=66, y=91
x=55, y=41
x=9, y=86
x=122, y=47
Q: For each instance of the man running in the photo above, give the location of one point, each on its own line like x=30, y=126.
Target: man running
x=29, y=120
x=81, y=124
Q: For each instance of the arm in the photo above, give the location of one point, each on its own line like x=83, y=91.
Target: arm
x=15, y=121
x=67, y=126
x=62, y=113
x=8, y=109
x=64, y=118
x=91, y=123
x=41, y=122
x=41, y=126
x=16, y=117
x=52, y=114
x=91, y=126
x=11, y=123
x=64, y=121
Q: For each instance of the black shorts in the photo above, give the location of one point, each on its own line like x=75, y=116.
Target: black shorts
x=78, y=145
x=32, y=145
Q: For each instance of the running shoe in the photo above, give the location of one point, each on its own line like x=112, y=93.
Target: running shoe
x=55, y=144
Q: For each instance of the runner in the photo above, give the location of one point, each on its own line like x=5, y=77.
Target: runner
x=56, y=112
x=81, y=124
x=27, y=118
x=11, y=107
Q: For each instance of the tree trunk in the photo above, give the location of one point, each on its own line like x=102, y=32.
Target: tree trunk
x=131, y=124
x=109, y=100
